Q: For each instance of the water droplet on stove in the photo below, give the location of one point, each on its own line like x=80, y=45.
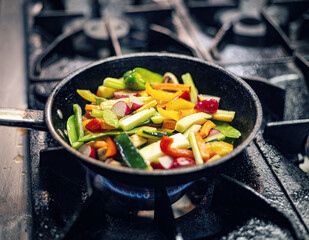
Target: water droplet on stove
x=59, y=113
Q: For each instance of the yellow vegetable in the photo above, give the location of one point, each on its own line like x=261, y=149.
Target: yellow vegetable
x=168, y=114
x=160, y=95
x=221, y=148
x=223, y=115
x=86, y=94
x=179, y=104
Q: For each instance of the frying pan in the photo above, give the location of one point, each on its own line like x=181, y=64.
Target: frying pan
x=210, y=79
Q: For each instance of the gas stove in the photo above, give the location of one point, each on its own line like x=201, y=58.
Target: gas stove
x=264, y=193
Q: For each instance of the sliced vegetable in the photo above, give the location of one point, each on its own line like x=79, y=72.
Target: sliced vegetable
x=172, y=114
x=96, y=113
x=97, y=144
x=136, y=102
x=158, y=119
x=182, y=162
x=134, y=81
x=196, y=152
x=106, y=92
x=179, y=104
x=98, y=100
x=165, y=145
x=111, y=147
x=208, y=106
x=124, y=94
x=71, y=130
x=87, y=150
x=206, y=153
x=110, y=118
x=136, y=119
x=196, y=118
x=86, y=94
x=221, y=148
x=227, y=130
x=160, y=95
x=164, y=162
x=107, y=105
x=94, y=125
x=121, y=109
x=153, y=150
x=153, y=134
x=216, y=137
x=128, y=152
x=207, y=126
x=78, y=120
x=169, y=124
x=150, y=104
x=193, y=128
x=172, y=87
x=149, y=76
x=187, y=79
x=114, y=83
x=223, y=115
x=202, y=97
x=137, y=140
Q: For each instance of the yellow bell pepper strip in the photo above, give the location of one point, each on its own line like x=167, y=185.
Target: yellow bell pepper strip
x=106, y=92
x=160, y=95
x=187, y=79
x=86, y=94
x=206, y=153
x=208, y=125
x=179, y=104
x=221, y=148
x=184, y=95
x=172, y=87
x=186, y=112
x=223, y=115
x=168, y=114
x=166, y=148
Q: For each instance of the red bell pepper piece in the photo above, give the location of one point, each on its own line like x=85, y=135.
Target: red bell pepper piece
x=182, y=162
x=94, y=125
x=208, y=106
x=166, y=148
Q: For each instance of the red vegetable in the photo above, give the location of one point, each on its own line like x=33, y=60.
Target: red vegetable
x=94, y=125
x=87, y=150
x=121, y=109
x=163, y=162
x=166, y=148
x=182, y=162
x=208, y=106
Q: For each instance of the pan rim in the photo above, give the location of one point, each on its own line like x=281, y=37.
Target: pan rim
x=156, y=173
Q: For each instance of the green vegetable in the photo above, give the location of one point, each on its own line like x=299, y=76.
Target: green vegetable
x=137, y=119
x=110, y=118
x=78, y=120
x=196, y=152
x=96, y=113
x=157, y=119
x=77, y=145
x=114, y=83
x=227, y=130
x=71, y=129
x=149, y=76
x=98, y=100
x=187, y=80
x=215, y=137
x=153, y=134
x=128, y=152
x=134, y=81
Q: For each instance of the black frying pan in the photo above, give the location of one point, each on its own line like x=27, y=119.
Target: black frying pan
x=210, y=79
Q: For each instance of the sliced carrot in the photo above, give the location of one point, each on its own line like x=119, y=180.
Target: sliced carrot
x=111, y=147
x=90, y=107
x=169, y=124
x=206, y=153
x=208, y=125
x=172, y=87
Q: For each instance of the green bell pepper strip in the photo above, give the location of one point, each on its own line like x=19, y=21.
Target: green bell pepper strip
x=154, y=134
x=128, y=152
x=149, y=76
x=134, y=81
x=78, y=120
x=98, y=100
x=227, y=130
x=71, y=130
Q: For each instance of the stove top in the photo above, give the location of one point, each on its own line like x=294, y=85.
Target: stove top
x=262, y=194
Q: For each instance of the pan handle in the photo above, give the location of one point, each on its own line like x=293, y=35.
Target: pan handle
x=31, y=119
